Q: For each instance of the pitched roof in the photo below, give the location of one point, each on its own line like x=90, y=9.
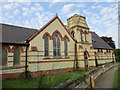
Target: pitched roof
x=99, y=43
x=15, y=34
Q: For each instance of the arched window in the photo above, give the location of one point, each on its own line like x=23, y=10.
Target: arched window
x=16, y=57
x=66, y=46
x=4, y=56
x=85, y=37
x=72, y=33
x=81, y=36
x=56, y=45
x=46, y=45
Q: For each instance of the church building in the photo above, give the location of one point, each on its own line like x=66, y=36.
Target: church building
x=54, y=48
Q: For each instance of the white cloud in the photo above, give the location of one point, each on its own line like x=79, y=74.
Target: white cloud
x=95, y=21
x=25, y=9
x=8, y=16
x=96, y=7
x=66, y=8
x=24, y=13
x=72, y=13
x=10, y=6
x=81, y=0
x=29, y=10
x=37, y=4
x=16, y=12
x=38, y=20
x=7, y=6
x=80, y=5
x=43, y=18
x=105, y=10
x=70, y=7
x=105, y=22
x=33, y=8
x=36, y=8
x=87, y=12
x=109, y=10
x=109, y=30
x=60, y=1
x=57, y=0
x=16, y=0
x=27, y=22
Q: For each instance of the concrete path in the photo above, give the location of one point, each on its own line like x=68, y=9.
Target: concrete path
x=106, y=80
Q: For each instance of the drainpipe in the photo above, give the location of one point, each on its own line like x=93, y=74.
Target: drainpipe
x=76, y=58
x=26, y=60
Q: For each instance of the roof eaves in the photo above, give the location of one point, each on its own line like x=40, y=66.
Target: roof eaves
x=104, y=48
x=11, y=43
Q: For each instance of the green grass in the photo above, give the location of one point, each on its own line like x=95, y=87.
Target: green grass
x=117, y=79
x=20, y=83
x=44, y=81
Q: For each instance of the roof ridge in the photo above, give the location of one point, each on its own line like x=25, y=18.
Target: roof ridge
x=18, y=26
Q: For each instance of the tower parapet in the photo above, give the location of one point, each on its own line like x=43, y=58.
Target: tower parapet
x=77, y=20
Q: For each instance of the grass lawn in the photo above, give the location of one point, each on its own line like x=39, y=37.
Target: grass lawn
x=44, y=81
x=117, y=79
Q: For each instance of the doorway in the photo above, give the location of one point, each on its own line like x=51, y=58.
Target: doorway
x=85, y=59
x=96, y=62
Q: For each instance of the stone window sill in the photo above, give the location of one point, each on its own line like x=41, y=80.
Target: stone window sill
x=85, y=42
x=56, y=57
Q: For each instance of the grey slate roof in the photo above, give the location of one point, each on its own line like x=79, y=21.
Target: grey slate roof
x=15, y=34
x=99, y=43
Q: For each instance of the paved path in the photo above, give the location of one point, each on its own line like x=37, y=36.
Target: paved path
x=106, y=80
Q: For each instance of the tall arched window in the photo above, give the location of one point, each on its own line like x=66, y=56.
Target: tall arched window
x=81, y=36
x=85, y=37
x=46, y=45
x=66, y=47
x=4, y=56
x=72, y=33
x=56, y=45
x=16, y=57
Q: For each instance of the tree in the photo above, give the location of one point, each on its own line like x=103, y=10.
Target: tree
x=109, y=41
x=117, y=55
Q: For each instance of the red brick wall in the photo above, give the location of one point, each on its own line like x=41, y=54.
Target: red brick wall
x=38, y=73
x=10, y=75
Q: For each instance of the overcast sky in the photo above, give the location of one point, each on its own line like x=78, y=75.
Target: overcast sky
x=102, y=17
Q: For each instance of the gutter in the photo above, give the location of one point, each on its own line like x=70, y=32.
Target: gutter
x=11, y=43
